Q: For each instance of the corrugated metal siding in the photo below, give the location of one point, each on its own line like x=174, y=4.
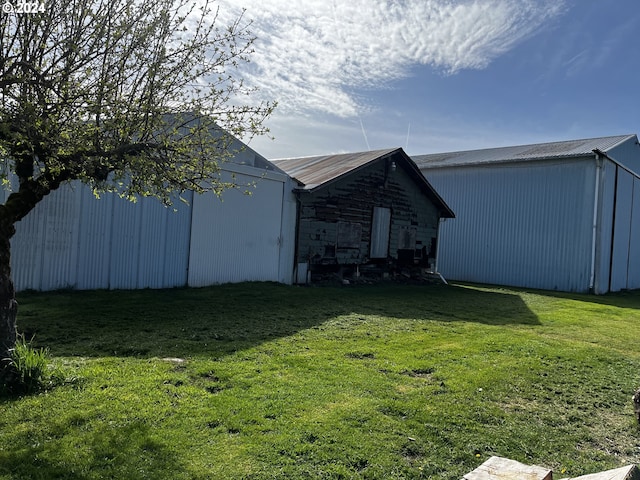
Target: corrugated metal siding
x=624, y=257
x=27, y=247
x=94, y=240
x=621, y=232
x=45, y=243
x=61, y=237
x=633, y=274
x=151, y=259
x=620, y=248
x=288, y=232
x=605, y=231
x=177, y=240
x=521, y=224
x=125, y=247
x=156, y=226
x=239, y=238
x=72, y=240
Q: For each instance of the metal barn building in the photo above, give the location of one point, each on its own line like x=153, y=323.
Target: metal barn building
x=558, y=216
x=73, y=240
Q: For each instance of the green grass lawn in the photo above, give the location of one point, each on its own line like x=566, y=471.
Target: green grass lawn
x=262, y=381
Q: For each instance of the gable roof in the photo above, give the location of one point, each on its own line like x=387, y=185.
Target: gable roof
x=312, y=172
x=540, y=151
x=316, y=172
x=241, y=153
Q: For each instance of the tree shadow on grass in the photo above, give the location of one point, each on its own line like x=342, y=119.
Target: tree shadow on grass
x=129, y=451
x=211, y=322
x=223, y=319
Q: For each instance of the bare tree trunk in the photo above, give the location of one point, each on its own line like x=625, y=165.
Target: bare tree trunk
x=8, y=304
x=16, y=207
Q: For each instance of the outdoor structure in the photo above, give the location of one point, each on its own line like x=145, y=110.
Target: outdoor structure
x=73, y=240
x=371, y=211
x=559, y=216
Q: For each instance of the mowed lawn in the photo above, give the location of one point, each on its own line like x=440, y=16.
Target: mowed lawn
x=258, y=381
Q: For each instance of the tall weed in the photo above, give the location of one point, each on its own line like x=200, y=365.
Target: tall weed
x=27, y=370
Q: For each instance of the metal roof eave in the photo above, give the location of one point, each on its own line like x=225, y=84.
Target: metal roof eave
x=505, y=161
x=312, y=187
x=321, y=168
x=522, y=153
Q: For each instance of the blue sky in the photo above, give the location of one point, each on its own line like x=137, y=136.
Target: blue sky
x=434, y=75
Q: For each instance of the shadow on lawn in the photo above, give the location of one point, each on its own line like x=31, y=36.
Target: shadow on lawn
x=219, y=320
x=129, y=451
x=623, y=299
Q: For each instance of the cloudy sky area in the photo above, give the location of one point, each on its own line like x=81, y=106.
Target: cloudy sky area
x=441, y=75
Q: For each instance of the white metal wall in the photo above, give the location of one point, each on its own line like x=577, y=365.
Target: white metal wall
x=244, y=237
x=73, y=240
x=621, y=231
x=39, y=235
x=633, y=271
x=525, y=224
x=628, y=154
x=604, y=230
x=619, y=242
x=623, y=191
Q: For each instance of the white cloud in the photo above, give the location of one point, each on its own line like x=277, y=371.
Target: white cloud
x=314, y=55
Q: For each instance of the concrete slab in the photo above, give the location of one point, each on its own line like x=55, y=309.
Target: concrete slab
x=498, y=468
x=630, y=472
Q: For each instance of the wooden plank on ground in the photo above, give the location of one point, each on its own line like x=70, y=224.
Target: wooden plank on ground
x=498, y=468
x=630, y=472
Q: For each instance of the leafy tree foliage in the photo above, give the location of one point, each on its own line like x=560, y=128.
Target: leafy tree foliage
x=130, y=96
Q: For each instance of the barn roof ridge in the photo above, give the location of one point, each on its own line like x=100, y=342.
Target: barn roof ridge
x=528, y=152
